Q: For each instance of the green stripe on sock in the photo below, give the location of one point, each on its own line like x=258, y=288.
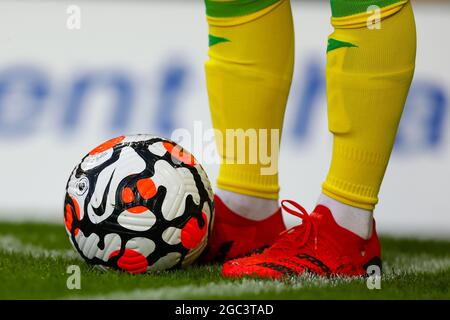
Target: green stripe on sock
x=215, y=40
x=343, y=8
x=235, y=8
x=334, y=44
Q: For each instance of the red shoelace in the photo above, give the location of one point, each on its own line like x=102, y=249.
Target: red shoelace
x=289, y=238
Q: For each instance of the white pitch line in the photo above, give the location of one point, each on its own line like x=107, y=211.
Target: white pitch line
x=422, y=263
x=12, y=244
x=221, y=289
x=403, y=265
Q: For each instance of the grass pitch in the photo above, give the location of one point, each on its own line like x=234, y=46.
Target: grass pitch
x=34, y=259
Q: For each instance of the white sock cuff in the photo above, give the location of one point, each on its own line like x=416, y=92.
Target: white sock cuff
x=356, y=220
x=249, y=207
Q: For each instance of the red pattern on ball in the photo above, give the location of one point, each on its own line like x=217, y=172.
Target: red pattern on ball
x=68, y=216
x=131, y=261
x=192, y=234
x=179, y=153
x=107, y=145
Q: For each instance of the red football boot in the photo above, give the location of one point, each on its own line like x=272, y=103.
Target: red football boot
x=318, y=245
x=235, y=236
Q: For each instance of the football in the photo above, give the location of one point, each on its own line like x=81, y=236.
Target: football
x=139, y=203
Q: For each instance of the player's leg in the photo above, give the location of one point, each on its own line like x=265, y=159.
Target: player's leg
x=249, y=72
x=369, y=71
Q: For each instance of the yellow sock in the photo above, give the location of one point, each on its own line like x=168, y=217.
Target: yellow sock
x=248, y=76
x=369, y=72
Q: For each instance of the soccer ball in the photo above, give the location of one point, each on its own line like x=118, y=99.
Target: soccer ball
x=139, y=203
